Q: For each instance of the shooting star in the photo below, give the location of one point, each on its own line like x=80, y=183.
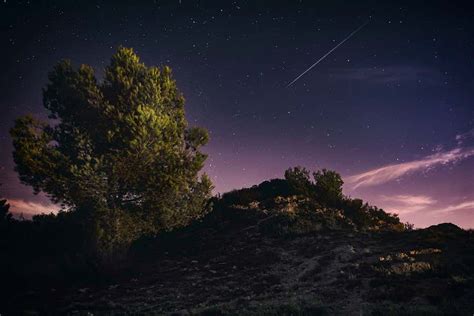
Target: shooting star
x=328, y=53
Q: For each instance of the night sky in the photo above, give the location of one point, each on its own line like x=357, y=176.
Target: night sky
x=392, y=109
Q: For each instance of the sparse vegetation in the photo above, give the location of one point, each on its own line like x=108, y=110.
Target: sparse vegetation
x=298, y=204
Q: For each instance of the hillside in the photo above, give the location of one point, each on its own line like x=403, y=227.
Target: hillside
x=264, y=250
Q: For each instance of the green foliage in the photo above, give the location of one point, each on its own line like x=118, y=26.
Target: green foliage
x=299, y=181
x=365, y=216
x=119, y=151
x=328, y=186
x=306, y=219
x=263, y=191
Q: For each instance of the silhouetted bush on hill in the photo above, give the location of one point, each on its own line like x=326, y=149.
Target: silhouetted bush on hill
x=264, y=191
x=49, y=248
x=300, y=204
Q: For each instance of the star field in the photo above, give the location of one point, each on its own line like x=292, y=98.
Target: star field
x=399, y=91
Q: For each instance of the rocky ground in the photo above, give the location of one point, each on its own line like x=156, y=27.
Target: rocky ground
x=246, y=271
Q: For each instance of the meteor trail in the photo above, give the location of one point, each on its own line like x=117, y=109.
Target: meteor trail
x=327, y=54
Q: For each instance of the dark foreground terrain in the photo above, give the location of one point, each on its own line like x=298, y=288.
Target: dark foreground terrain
x=243, y=267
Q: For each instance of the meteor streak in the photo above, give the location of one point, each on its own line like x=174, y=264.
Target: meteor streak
x=328, y=53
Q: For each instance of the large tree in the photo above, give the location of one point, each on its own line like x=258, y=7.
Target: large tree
x=118, y=151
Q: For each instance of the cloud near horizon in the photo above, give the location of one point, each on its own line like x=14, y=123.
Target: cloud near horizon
x=28, y=209
x=468, y=205
x=404, y=204
x=395, y=171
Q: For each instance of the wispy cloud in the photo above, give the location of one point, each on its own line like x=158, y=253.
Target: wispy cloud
x=403, y=204
x=28, y=209
x=410, y=199
x=395, y=171
x=468, y=205
x=462, y=138
x=406, y=204
x=388, y=74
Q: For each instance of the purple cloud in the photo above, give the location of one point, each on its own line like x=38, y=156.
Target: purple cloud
x=395, y=171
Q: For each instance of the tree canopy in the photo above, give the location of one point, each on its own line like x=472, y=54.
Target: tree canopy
x=118, y=150
x=326, y=185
